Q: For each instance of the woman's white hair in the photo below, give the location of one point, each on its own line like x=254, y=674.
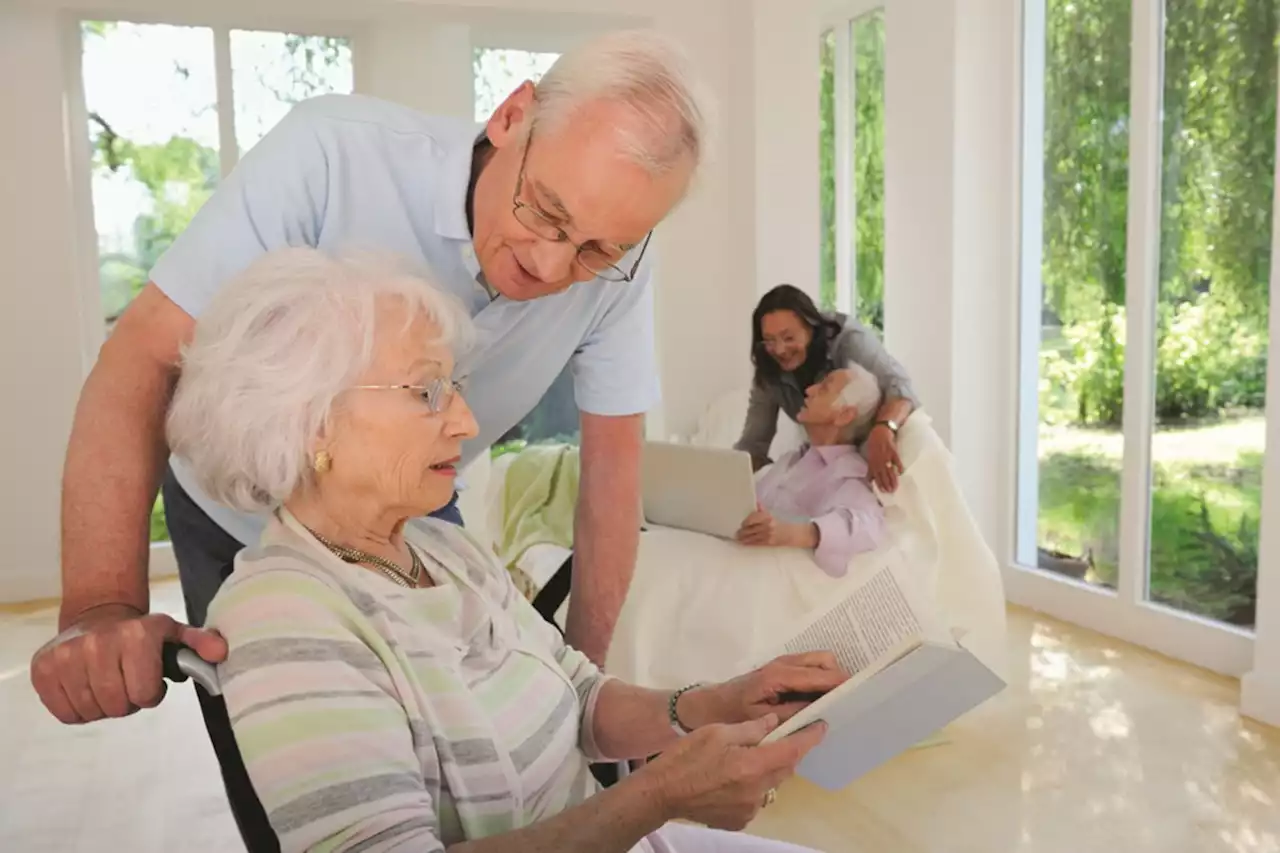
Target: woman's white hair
x=270, y=353
x=648, y=73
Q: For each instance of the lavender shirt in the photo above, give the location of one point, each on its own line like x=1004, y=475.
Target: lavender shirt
x=828, y=486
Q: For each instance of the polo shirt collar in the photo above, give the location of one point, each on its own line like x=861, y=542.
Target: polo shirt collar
x=455, y=177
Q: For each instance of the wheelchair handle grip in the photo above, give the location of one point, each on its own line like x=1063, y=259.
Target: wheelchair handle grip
x=181, y=663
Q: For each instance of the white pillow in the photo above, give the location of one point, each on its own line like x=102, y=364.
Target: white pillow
x=721, y=425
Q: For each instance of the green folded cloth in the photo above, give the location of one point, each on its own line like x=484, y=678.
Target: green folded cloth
x=539, y=497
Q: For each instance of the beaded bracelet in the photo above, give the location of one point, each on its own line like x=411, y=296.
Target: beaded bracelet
x=672, y=716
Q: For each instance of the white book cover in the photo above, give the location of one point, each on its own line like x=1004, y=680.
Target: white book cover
x=909, y=677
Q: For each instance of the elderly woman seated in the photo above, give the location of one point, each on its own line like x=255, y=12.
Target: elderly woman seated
x=387, y=687
x=819, y=497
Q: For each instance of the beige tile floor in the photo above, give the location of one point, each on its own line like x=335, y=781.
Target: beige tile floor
x=1096, y=746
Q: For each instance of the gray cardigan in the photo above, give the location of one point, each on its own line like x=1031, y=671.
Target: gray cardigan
x=854, y=343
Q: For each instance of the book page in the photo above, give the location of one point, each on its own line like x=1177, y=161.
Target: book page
x=875, y=619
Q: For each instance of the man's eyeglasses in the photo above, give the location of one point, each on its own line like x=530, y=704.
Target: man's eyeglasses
x=597, y=260
x=437, y=394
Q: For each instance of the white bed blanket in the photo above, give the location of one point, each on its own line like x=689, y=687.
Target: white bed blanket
x=701, y=608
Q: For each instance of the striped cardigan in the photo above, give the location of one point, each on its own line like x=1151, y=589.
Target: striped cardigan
x=377, y=718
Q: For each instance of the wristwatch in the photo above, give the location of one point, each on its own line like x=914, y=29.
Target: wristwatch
x=890, y=423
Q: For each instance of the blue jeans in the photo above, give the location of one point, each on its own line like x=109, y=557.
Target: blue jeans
x=450, y=512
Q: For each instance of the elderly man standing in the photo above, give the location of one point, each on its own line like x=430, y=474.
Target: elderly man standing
x=539, y=226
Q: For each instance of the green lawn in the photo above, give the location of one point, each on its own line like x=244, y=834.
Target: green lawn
x=1205, y=504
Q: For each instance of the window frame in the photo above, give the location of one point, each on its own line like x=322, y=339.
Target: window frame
x=839, y=18
x=1126, y=612
x=80, y=156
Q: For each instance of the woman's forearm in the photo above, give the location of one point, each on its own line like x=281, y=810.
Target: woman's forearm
x=634, y=722
x=613, y=821
x=896, y=409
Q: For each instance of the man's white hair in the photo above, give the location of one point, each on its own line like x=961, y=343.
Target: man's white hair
x=648, y=73
x=862, y=392
x=270, y=353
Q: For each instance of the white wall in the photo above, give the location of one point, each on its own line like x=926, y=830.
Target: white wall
x=417, y=62
x=984, y=300
x=41, y=362
x=919, y=204
x=950, y=279
x=785, y=136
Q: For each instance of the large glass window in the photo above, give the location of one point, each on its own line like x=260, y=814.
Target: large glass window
x=156, y=119
x=1219, y=136
x=851, y=168
x=1081, y=287
x=1199, y=412
x=151, y=96
x=272, y=72
x=498, y=71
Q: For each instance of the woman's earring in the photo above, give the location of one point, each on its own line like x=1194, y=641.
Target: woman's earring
x=323, y=462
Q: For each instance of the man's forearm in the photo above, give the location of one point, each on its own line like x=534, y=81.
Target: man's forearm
x=112, y=471
x=802, y=534
x=606, y=530
x=605, y=545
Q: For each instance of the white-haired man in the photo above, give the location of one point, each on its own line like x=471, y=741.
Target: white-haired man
x=539, y=225
x=819, y=497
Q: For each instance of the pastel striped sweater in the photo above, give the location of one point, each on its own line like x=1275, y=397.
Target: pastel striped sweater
x=377, y=718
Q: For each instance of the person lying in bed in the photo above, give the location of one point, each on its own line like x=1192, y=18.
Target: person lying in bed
x=793, y=346
x=819, y=497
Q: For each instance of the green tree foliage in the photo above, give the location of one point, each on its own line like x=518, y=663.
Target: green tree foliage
x=1218, y=142
x=310, y=69
x=1086, y=155
x=827, y=170
x=179, y=176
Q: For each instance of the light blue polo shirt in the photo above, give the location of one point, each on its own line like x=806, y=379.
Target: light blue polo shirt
x=352, y=172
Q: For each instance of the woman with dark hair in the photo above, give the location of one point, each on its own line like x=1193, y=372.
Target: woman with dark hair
x=794, y=346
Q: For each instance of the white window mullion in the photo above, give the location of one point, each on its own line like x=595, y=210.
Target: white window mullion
x=80, y=169
x=846, y=280
x=228, y=148
x=1031, y=238
x=1260, y=690
x=1142, y=276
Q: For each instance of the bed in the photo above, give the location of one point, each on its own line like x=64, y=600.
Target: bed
x=703, y=609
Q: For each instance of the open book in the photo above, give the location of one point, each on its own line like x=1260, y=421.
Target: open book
x=909, y=677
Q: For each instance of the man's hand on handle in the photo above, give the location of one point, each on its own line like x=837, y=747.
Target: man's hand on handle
x=108, y=663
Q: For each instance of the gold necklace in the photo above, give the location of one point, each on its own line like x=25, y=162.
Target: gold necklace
x=410, y=580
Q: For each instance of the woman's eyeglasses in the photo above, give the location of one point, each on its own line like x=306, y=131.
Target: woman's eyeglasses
x=776, y=345
x=437, y=394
